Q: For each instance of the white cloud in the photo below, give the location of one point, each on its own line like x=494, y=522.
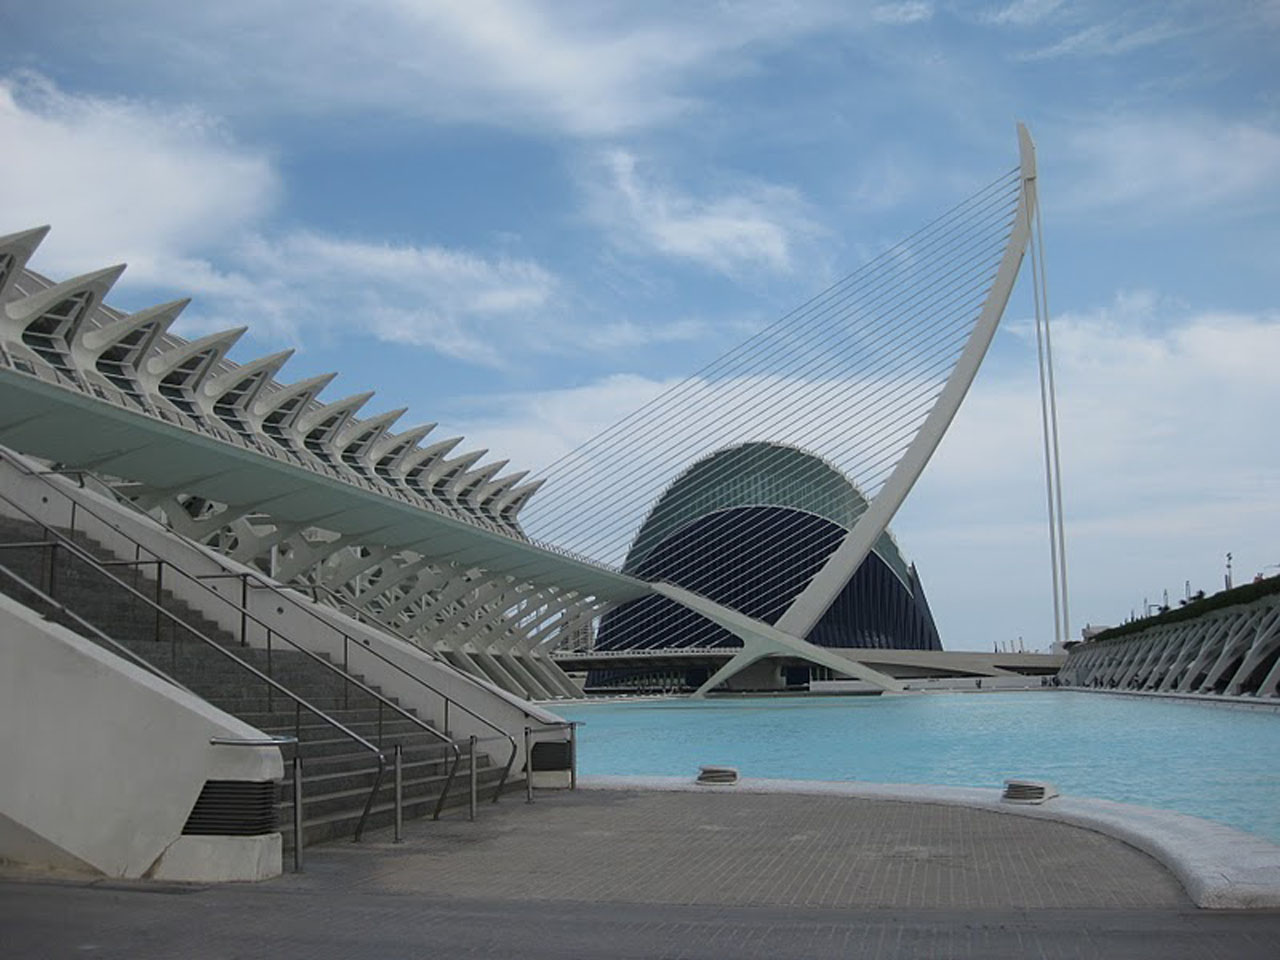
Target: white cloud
x=582, y=67
x=757, y=227
x=172, y=195
x=1166, y=459
x=429, y=296
x=1106, y=40
x=1171, y=164
x=123, y=180
x=908, y=11
x=1024, y=13
x=888, y=180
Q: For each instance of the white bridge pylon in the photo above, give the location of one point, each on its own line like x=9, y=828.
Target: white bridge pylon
x=785, y=638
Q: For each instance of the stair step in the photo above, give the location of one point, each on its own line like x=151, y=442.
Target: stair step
x=338, y=773
x=338, y=825
x=417, y=788
x=361, y=777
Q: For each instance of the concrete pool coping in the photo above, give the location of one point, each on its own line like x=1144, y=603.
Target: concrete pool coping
x=1221, y=868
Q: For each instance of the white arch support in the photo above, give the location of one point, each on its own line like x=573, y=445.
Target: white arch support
x=785, y=637
x=807, y=609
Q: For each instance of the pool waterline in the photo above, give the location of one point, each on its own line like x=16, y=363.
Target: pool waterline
x=1216, y=763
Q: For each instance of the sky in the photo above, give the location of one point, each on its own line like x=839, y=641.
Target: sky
x=523, y=219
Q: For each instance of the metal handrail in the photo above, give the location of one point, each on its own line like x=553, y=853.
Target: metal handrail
x=285, y=595
x=62, y=608
x=299, y=703
x=276, y=589
x=246, y=616
x=363, y=616
x=528, y=753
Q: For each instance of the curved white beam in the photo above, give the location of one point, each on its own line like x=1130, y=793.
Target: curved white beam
x=808, y=608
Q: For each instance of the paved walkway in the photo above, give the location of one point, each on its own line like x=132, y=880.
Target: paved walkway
x=632, y=874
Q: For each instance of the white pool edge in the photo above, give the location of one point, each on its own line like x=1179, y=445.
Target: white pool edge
x=1221, y=868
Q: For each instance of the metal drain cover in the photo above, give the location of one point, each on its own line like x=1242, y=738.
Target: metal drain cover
x=718, y=775
x=1028, y=791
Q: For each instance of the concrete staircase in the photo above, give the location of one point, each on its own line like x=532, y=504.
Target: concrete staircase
x=338, y=773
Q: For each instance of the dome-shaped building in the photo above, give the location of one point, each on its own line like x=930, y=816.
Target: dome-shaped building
x=748, y=527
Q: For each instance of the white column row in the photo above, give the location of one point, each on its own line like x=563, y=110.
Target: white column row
x=1233, y=651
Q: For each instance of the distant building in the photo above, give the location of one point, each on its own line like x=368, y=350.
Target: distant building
x=748, y=527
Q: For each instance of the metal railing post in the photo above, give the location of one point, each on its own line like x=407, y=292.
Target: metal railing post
x=244, y=609
x=573, y=756
x=471, y=753
x=159, y=587
x=528, y=767
x=297, y=811
x=53, y=564
x=270, y=689
x=399, y=755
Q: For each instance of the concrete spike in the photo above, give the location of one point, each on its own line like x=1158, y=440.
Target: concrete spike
x=160, y=365
x=349, y=404
x=22, y=312
x=162, y=315
x=224, y=382
x=310, y=386
x=20, y=246
x=409, y=437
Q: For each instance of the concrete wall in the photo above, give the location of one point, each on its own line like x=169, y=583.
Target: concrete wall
x=101, y=763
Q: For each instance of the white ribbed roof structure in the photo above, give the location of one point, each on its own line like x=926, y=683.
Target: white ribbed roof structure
x=418, y=532
x=428, y=537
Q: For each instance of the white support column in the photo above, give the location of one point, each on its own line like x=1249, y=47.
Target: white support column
x=1172, y=654
x=760, y=640
x=1154, y=653
x=1265, y=640
x=1270, y=685
x=1163, y=650
x=511, y=645
x=1191, y=649
x=1232, y=650
x=497, y=672
x=1136, y=654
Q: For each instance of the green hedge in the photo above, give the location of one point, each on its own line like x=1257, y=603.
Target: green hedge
x=1227, y=598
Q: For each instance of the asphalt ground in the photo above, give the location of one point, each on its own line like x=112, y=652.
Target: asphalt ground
x=625, y=874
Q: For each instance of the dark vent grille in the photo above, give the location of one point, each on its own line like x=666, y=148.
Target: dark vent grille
x=551, y=755
x=233, y=808
x=1028, y=791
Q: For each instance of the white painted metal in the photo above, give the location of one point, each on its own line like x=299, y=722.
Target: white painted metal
x=760, y=640
x=807, y=609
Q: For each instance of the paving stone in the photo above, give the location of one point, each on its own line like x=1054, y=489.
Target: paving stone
x=629, y=875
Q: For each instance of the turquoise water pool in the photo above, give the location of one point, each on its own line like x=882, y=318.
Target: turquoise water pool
x=1214, y=762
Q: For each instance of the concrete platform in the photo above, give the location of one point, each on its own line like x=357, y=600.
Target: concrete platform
x=629, y=873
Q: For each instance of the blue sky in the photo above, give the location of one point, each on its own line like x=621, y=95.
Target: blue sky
x=521, y=219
